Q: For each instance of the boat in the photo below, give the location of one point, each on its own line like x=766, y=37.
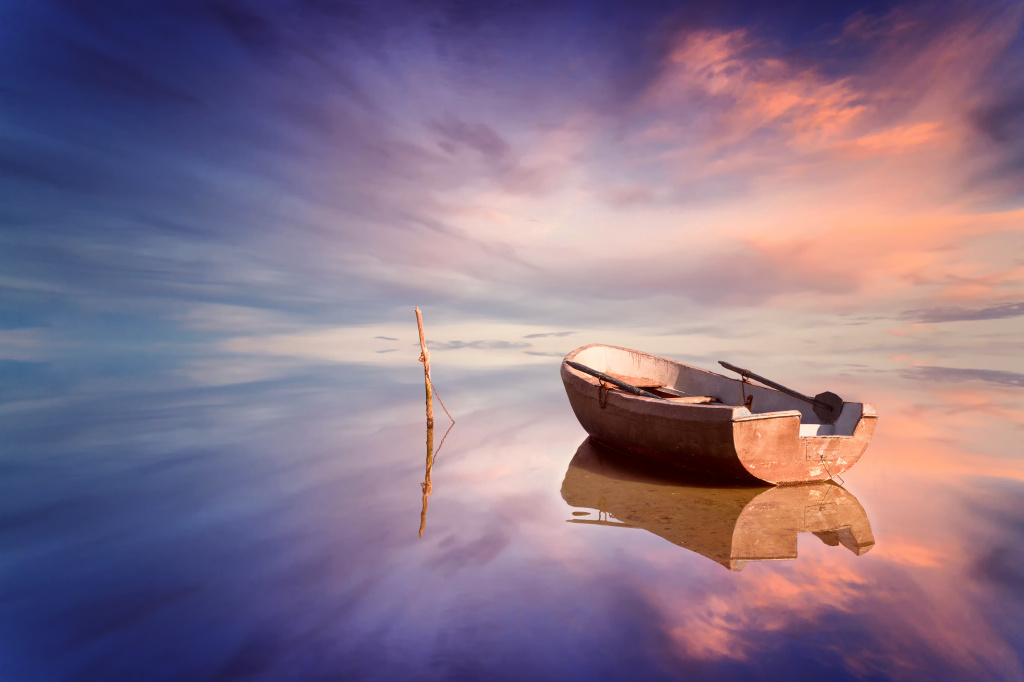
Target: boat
x=732, y=526
x=702, y=421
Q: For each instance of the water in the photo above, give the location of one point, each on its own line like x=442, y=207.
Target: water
x=271, y=531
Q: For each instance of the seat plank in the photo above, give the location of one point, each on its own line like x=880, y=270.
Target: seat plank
x=673, y=392
x=639, y=382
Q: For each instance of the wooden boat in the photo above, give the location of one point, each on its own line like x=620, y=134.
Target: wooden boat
x=712, y=423
x=731, y=526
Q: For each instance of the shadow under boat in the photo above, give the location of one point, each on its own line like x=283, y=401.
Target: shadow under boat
x=729, y=525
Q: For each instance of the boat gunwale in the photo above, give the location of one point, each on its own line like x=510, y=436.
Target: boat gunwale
x=867, y=411
x=593, y=381
x=741, y=417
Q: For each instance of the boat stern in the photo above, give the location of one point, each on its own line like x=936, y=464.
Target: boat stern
x=770, y=446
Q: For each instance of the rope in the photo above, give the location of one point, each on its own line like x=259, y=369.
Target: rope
x=434, y=389
x=427, y=487
x=829, y=471
x=828, y=493
x=748, y=402
x=438, y=451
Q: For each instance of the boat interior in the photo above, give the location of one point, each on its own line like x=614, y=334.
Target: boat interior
x=681, y=383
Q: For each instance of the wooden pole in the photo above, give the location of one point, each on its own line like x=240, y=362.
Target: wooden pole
x=425, y=359
x=427, y=485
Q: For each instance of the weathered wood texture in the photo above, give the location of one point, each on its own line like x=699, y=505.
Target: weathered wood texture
x=639, y=382
x=728, y=438
x=425, y=359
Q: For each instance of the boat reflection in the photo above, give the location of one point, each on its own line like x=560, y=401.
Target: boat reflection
x=729, y=525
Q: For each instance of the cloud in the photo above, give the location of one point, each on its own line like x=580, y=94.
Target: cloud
x=751, y=93
x=624, y=197
x=896, y=140
x=746, y=273
x=955, y=374
x=655, y=163
x=31, y=344
x=546, y=334
x=1001, y=121
x=456, y=134
x=480, y=551
x=479, y=345
x=956, y=314
x=235, y=319
x=733, y=110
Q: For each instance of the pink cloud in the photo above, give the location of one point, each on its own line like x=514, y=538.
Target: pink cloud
x=899, y=139
x=750, y=93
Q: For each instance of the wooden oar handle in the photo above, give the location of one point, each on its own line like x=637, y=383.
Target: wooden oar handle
x=612, y=380
x=779, y=387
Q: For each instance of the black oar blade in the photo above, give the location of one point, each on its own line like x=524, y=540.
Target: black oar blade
x=832, y=400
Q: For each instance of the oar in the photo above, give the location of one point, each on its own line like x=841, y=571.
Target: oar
x=827, y=405
x=612, y=380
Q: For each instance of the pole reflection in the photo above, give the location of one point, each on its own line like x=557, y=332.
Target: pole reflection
x=427, y=486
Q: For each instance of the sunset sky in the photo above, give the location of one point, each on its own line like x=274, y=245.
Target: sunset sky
x=216, y=218
x=280, y=182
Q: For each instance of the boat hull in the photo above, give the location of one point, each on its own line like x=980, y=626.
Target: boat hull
x=720, y=439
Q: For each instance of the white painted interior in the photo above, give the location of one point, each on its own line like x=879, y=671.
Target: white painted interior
x=696, y=381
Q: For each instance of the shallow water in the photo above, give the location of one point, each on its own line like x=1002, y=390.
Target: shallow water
x=162, y=530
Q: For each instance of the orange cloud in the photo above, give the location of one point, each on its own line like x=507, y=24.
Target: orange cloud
x=914, y=613
x=759, y=91
x=896, y=140
x=909, y=553
x=719, y=625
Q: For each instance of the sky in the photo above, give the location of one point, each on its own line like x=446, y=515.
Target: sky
x=226, y=191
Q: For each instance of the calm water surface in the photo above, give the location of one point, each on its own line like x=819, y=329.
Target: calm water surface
x=153, y=529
